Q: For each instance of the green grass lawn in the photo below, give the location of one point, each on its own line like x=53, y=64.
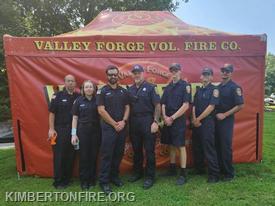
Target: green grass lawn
x=254, y=183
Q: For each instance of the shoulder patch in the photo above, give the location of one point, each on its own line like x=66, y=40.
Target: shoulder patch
x=53, y=96
x=188, y=89
x=156, y=89
x=98, y=91
x=239, y=91
x=216, y=93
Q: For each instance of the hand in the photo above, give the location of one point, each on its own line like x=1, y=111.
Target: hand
x=116, y=126
x=154, y=127
x=196, y=123
x=168, y=121
x=51, y=133
x=220, y=116
x=120, y=125
x=74, y=140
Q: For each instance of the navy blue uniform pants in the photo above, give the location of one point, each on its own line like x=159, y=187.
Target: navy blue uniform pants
x=203, y=146
x=111, y=152
x=141, y=137
x=63, y=155
x=224, y=133
x=89, y=143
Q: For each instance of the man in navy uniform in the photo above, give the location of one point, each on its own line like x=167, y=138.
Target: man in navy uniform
x=174, y=104
x=113, y=106
x=60, y=123
x=231, y=101
x=203, y=138
x=144, y=118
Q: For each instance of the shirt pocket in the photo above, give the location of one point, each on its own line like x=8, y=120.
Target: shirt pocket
x=64, y=105
x=144, y=95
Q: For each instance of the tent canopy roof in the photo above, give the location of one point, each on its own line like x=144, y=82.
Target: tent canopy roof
x=140, y=23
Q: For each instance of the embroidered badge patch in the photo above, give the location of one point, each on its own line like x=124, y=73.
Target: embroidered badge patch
x=239, y=91
x=216, y=93
x=188, y=89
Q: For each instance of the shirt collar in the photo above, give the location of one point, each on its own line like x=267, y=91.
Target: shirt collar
x=227, y=83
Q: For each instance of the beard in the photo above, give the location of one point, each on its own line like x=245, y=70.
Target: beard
x=113, y=80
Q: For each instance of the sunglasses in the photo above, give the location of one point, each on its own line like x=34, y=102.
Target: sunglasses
x=225, y=71
x=112, y=75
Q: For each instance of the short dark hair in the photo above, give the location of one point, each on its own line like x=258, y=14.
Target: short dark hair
x=111, y=67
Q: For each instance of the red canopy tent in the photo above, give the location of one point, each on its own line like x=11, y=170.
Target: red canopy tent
x=153, y=39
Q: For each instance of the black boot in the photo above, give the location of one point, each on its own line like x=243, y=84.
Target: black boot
x=135, y=177
x=85, y=186
x=172, y=171
x=106, y=188
x=182, y=178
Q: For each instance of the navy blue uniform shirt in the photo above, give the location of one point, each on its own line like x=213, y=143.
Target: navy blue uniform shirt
x=175, y=95
x=114, y=100
x=86, y=110
x=61, y=105
x=230, y=95
x=143, y=99
x=204, y=97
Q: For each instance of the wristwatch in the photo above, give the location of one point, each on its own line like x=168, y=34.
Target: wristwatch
x=156, y=121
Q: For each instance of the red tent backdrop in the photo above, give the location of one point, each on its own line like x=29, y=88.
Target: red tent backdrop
x=156, y=39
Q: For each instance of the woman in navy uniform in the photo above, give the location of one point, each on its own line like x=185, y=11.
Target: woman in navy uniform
x=174, y=103
x=203, y=136
x=231, y=101
x=60, y=122
x=86, y=133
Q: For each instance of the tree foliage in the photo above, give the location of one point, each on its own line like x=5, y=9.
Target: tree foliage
x=52, y=17
x=270, y=74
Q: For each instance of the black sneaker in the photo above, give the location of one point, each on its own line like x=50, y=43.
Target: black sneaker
x=85, y=186
x=227, y=179
x=106, y=188
x=149, y=182
x=59, y=186
x=212, y=179
x=117, y=182
x=181, y=180
x=92, y=184
x=135, y=177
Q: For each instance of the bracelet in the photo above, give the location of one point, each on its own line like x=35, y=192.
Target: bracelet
x=73, y=132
